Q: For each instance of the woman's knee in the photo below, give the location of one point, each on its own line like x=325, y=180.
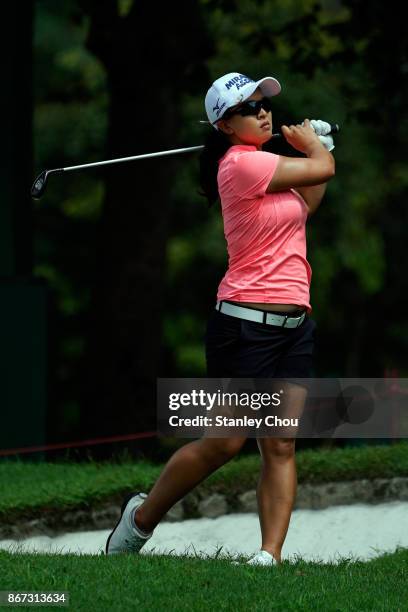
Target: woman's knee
x=222, y=449
x=276, y=447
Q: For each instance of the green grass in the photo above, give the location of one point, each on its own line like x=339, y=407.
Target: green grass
x=167, y=583
x=28, y=486
x=163, y=582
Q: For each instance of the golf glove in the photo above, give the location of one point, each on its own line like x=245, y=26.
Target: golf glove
x=322, y=129
x=327, y=141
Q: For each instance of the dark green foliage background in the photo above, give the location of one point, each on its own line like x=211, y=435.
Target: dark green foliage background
x=345, y=62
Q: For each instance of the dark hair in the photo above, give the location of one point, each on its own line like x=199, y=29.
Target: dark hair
x=215, y=146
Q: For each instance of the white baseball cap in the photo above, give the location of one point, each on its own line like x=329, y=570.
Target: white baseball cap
x=233, y=88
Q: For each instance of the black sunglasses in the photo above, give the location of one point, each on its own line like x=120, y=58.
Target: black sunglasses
x=250, y=107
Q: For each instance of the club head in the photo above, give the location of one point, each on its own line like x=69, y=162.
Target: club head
x=39, y=185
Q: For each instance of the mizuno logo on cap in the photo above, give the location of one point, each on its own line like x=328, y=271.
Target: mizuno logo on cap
x=218, y=108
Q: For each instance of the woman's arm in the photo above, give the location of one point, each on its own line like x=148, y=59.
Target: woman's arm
x=312, y=195
x=313, y=171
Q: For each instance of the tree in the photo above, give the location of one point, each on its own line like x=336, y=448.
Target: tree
x=124, y=325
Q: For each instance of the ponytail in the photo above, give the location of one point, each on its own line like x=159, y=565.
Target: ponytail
x=215, y=147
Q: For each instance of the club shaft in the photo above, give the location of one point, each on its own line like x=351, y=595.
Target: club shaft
x=132, y=158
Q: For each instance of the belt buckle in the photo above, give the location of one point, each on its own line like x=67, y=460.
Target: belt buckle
x=272, y=319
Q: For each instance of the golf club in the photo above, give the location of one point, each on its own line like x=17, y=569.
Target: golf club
x=40, y=183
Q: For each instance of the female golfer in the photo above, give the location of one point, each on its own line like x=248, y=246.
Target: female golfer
x=260, y=326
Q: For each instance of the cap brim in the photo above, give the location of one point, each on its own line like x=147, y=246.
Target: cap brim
x=269, y=86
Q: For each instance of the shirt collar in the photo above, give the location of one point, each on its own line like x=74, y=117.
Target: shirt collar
x=241, y=147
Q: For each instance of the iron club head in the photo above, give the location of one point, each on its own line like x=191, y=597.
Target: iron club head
x=39, y=185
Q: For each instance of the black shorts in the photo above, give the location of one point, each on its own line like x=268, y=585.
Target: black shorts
x=238, y=348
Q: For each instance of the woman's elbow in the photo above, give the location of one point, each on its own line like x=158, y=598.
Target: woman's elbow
x=330, y=171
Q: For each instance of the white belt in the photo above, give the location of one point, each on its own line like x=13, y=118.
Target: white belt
x=259, y=316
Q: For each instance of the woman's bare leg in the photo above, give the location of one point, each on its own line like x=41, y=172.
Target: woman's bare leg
x=276, y=492
x=189, y=465
x=277, y=484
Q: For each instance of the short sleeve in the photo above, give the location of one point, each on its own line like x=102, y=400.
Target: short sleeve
x=253, y=172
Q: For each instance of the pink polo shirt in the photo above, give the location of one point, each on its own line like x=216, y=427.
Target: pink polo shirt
x=265, y=232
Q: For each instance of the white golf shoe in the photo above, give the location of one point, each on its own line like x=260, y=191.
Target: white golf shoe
x=261, y=558
x=125, y=537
